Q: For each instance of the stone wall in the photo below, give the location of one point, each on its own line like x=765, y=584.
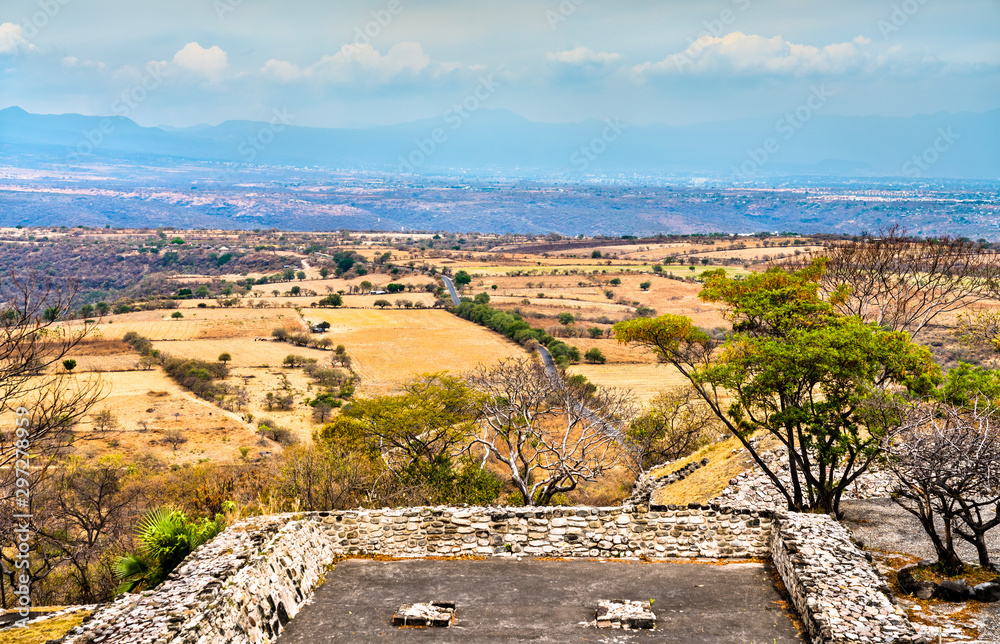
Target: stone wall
x=246, y=584
x=243, y=586
x=669, y=531
x=839, y=595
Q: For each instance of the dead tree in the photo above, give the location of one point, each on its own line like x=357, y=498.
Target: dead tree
x=47, y=402
x=902, y=283
x=549, y=435
x=947, y=462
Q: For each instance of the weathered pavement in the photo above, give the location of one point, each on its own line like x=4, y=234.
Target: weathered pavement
x=502, y=600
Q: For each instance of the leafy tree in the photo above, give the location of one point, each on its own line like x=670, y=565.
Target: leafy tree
x=395, y=288
x=324, y=272
x=811, y=379
x=596, y=255
x=418, y=433
x=176, y=315
x=462, y=278
x=595, y=332
x=566, y=318
x=333, y=299
x=645, y=285
x=301, y=275
x=225, y=357
x=382, y=303
x=69, y=364
x=615, y=281
x=594, y=356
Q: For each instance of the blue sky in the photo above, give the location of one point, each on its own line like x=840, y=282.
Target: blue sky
x=336, y=63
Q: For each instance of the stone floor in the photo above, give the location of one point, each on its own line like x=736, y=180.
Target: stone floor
x=504, y=600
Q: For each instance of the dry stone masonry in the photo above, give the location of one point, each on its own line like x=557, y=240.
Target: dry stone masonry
x=840, y=597
x=245, y=585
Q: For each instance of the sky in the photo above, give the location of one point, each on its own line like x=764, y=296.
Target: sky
x=346, y=63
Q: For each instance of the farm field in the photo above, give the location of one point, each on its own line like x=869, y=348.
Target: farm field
x=148, y=404
x=644, y=380
x=208, y=323
x=391, y=346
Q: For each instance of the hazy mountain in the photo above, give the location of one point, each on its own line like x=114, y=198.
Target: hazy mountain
x=963, y=145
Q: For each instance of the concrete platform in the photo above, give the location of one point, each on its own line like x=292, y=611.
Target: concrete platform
x=502, y=600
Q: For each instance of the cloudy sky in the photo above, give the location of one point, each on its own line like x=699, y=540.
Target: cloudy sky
x=349, y=63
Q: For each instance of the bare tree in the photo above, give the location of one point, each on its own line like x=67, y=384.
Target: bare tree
x=175, y=438
x=676, y=424
x=902, y=283
x=47, y=403
x=549, y=434
x=947, y=462
x=104, y=421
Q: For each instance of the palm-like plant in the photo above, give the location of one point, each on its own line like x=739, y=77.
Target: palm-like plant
x=166, y=536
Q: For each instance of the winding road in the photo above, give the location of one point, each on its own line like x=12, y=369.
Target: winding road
x=451, y=289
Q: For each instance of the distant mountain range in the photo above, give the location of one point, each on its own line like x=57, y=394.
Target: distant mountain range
x=961, y=145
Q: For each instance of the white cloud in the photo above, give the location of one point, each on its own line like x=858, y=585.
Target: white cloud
x=741, y=54
x=361, y=62
x=584, y=56
x=12, y=40
x=73, y=61
x=210, y=63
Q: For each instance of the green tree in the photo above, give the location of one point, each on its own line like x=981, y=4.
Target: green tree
x=594, y=356
x=69, y=364
x=596, y=254
x=595, y=332
x=324, y=272
x=566, y=318
x=301, y=275
x=418, y=433
x=382, y=303
x=793, y=368
x=225, y=357
x=462, y=278
x=645, y=285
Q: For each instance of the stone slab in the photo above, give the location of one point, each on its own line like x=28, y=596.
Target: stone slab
x=504, y=600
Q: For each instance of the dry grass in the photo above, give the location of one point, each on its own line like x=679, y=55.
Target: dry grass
x=390, y=347
x=198, y=324
x=50, y=630
x=726, y=459
x=645, y=380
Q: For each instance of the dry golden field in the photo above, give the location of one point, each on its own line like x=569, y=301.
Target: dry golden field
x=391, y=346
x=147, y=404
x=208, y=323
x=644, y=380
